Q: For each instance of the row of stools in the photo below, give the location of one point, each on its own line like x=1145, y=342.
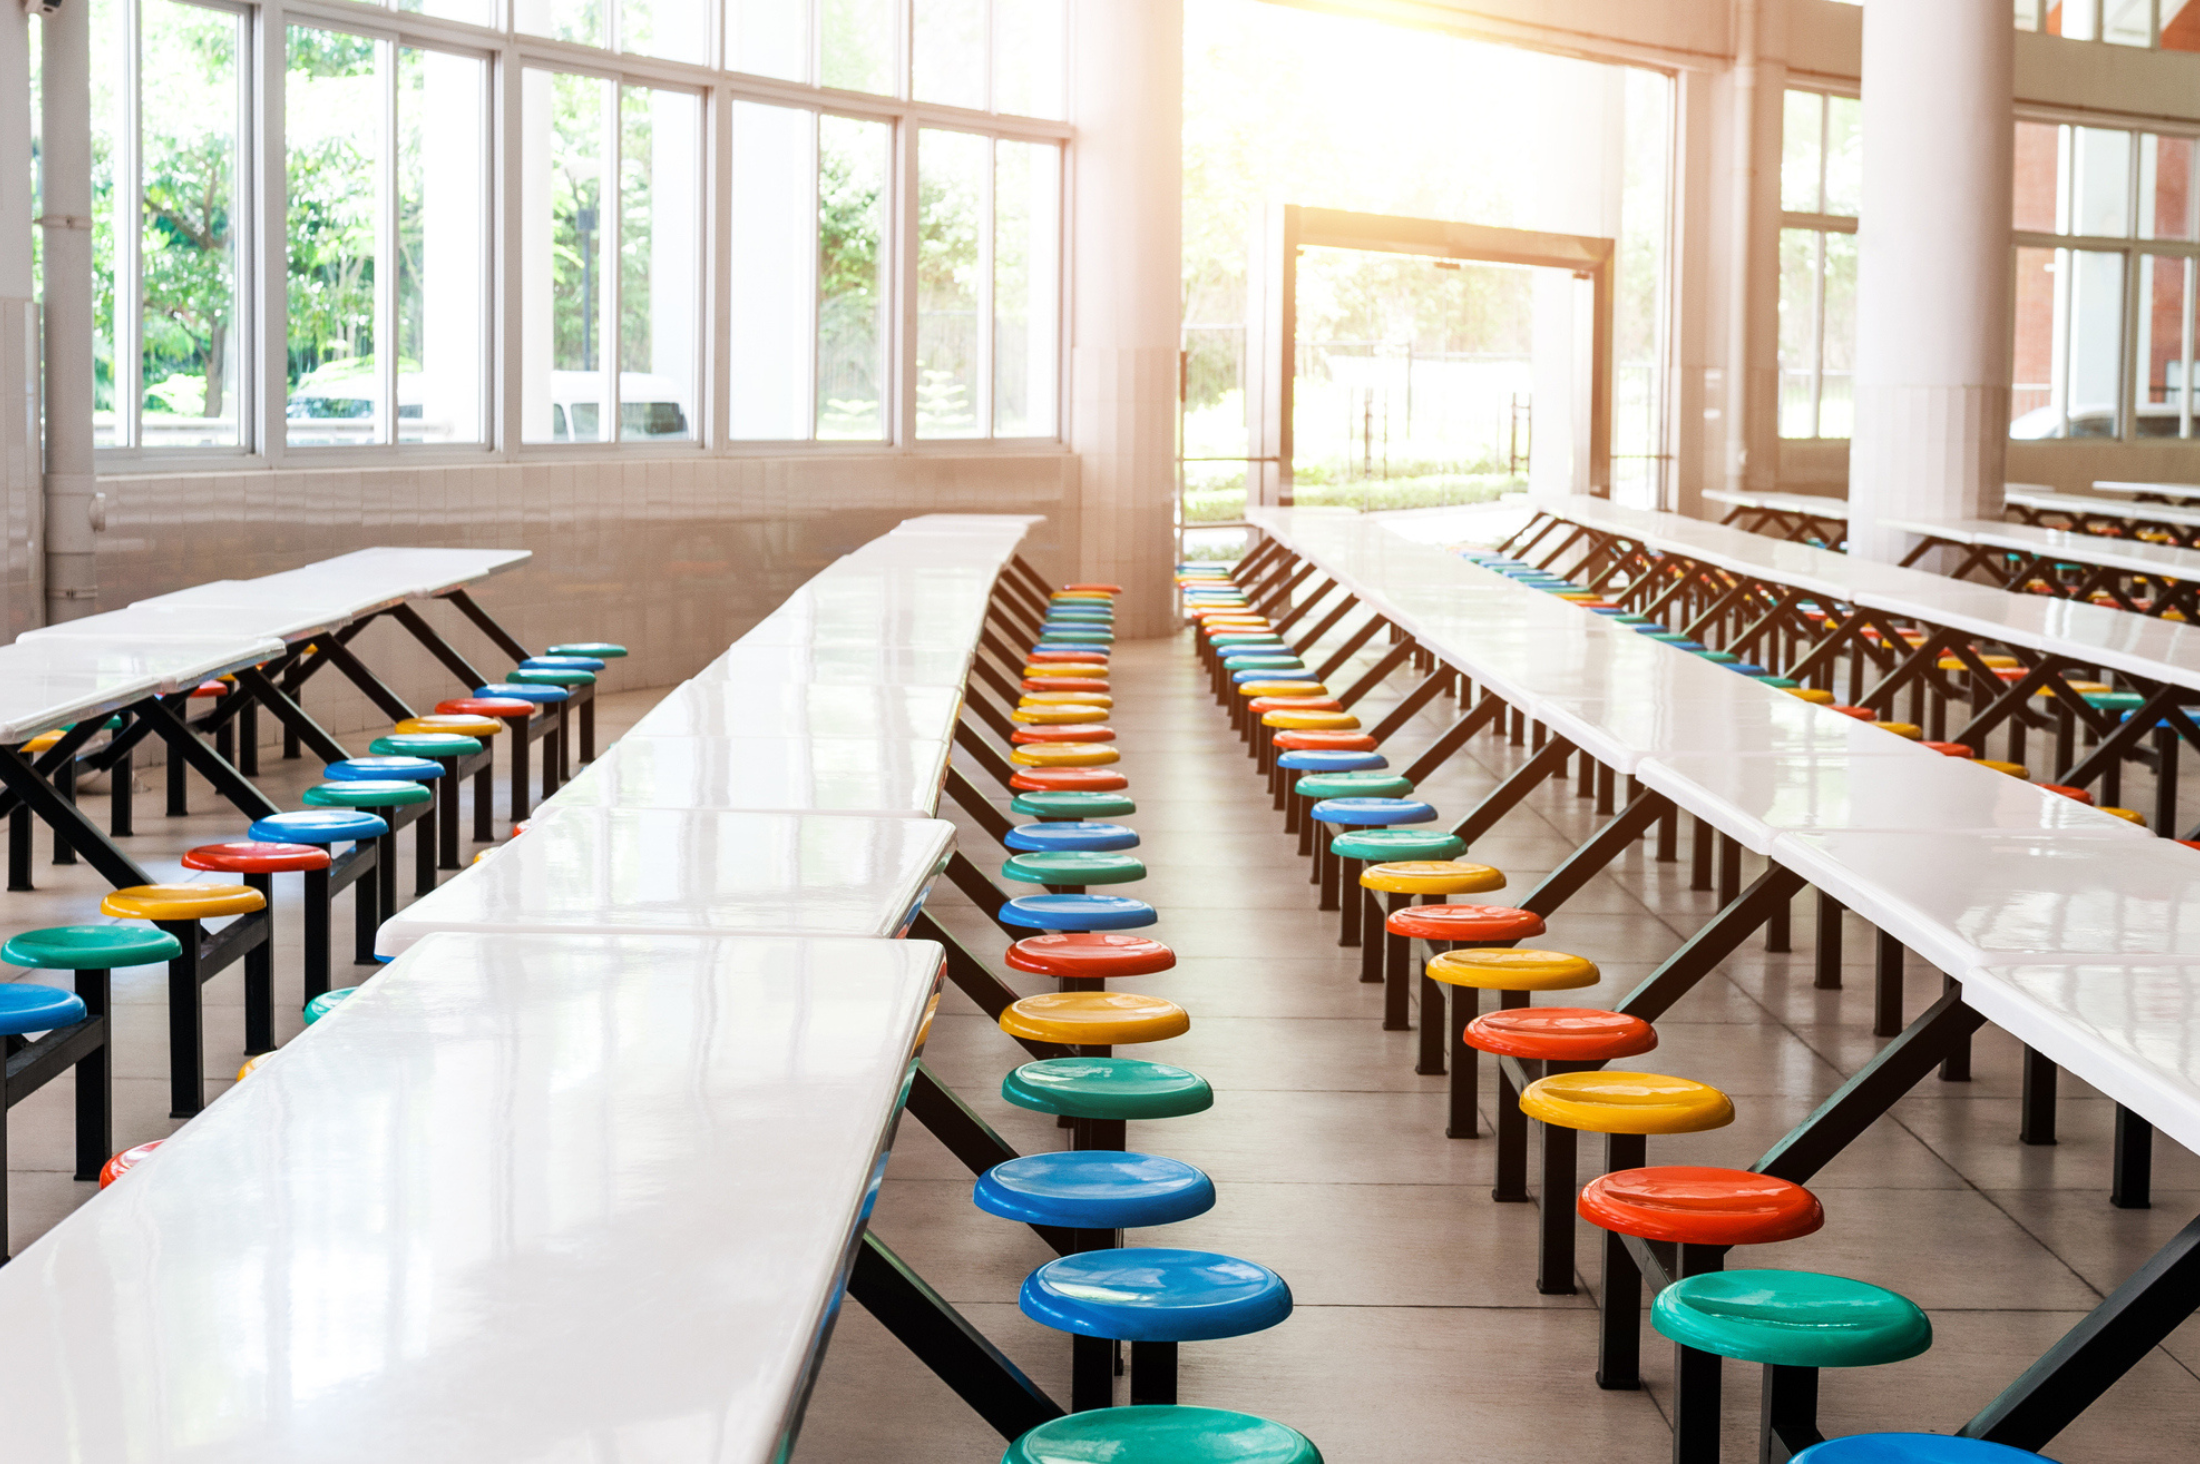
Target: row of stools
x=1104, y=1294
x=411, y=777
x=1392, y=884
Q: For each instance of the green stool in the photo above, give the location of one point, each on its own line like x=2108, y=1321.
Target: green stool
x=1794, y=1323
x=1314, y=787
x=601, y=650
x=1099, y=1095
x=449, y=749
x=328, y=1001
x=1161, y=1434
x=384, y=797
x=1071, y=806
x=1068, y=873
x=1355, y=849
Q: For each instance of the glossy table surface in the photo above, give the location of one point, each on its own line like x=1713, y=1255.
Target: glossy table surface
x=1802, y=503
x=49, y=683
x=2079, y=503
x=2161, y=490
x=802, y=708
x=794, y=773
x=524, y=1197
x=842, y=663
x=2133, y=556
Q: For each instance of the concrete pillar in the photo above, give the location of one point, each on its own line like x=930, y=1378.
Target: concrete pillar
x=1752, y=316
x=65, y=178
x=1932, y=317
x=1126, y=86
x=22, y=571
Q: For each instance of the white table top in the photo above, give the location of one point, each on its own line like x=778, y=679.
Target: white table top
x=686, y=871
x=2164, y=490
x=841, y=664
x=802, y=709
x=2124, y=508
x=46, y=684
x=1803, y=503
x=2132, y=556
x=524, y=1197
x=876, y=776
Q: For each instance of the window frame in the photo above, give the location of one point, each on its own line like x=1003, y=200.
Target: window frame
x=1818, y=225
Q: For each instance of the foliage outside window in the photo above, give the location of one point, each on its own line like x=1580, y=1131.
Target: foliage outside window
x=1820, y=187
x=2106, y=245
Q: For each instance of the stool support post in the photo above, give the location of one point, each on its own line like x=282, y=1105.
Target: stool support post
x=1554, y=1271
x=95, y=1138
x=1461, y=1120
x=186, y=1022
x=1430, y=1061
x=1153, y=1373
x=1397, y=970
x=1788, y=1413
x=1730, y=871
x=259, y=974
x=1512, y=1137
x=1091, y=1372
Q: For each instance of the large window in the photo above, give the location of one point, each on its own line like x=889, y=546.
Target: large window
x=353, y=233
x=2105, y=253
x=2172, y=25
x=1820, y=184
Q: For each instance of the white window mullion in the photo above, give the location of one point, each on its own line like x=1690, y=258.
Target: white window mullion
x=607, y=271
x=988, y=221
x=386, y=250
x=129, y=227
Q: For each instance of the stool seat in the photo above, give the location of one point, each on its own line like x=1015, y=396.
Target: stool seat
x=252, y=858
x=1283, y=686
x=1950, y=749
x=1057, y=716
x=482, y=706
x=1154, y=1295
x=1072, y=867
x=1107, y=1087
x=425, y=744
x=603, y=650
x=469, y=725
x=1099, y=655
x=1379, y=846
x=1695, y=1205
x=1065, y=683
x=1364, y=812
x=1325, y=742
x=1861, y=714
x=1431, y=877
x=1877, y=1448
x=1067, y=780
x=1090, y=955
x=1094, y=1189
x=1816, y=696
x=1162, y=1434
x=1462, y=923
x=126, y=1161
x=90, y=947
x=1071, y=755
x=383, y=769
x=1327, y=760
x=1072, y=806
x=1513, y=970
x=1791, y=1319
x=1909, y=731
x=563, y=663
x=1082, y=588
x=1261, y=706
x=1055, y=736
x=1609, y=1102
x=26, y=1007
x=326, y=1002
x=1094, y=1018
x=1561, y=1034
x=319, y=826
x=1310, y=721
x=366, y=793
x=1071, y=837
x=1088, y=697
x=2014, y=770
x=1078, y=912
x=182, y=901
x=526, y=691
x=1368, y=784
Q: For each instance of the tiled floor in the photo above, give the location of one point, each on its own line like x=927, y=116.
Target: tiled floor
x=1419, y=1333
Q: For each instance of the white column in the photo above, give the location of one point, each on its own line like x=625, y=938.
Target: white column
x=65, y=172
x=1932, y=319
x=22, y=606
x=1126, y=79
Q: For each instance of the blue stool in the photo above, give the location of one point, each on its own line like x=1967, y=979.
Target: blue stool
x=1153, y=1299
x=1162, y=1436
x=365, y=832
x=399, y=768
x=1354, y=813
x=562, y=663
x=1080, y=836
x=1910, y=1448
x=556, y=753
x=1077, y=912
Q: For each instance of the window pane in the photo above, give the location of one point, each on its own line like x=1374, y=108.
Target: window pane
x=2100, y=182
x=2028, y=14
x=2180, y=25
x=191, y=166
x=2095, y=334
x=660, y=237
x=2076, y=20
x=564, y=393
x=2038, y=167
x=1798, y=330
x=774, y=222
x=951, y=169
x=112, y=227
x=1028, y=60
x=1801, y=138
x=771, y=38
x=473, y=12
x=1844, y=156
x=442, y=246
x=947, y=53
x=2032, y=411
x=1027, y=215
x=2127, y=23
x=334, y=102
x=857, y=46
x=1837, y=339
x=679, y=29
x=564, y=20
x=851, y=278
x=2161, y=345
x=2165, y=186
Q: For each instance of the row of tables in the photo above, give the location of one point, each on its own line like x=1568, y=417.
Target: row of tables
x=583, y=1171
x=2065, y=926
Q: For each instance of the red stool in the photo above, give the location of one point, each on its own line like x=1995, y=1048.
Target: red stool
x=1702, y=1211
x=1081, y=960
x=1068, y=780
x=256, y=865
x=519, y=715
x=125, y=1161
x=1949, y=749
x=1074, y=732
x=1445, y=927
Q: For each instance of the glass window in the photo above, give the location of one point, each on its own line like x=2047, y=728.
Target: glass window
x=1029, y=57
x=678, y=29
x=1027, y=252
x=334, y=107
x=660, y=268
x=857, y=45
x=2038, y=174
x=1799, y=265
x=566, y=143
x=951, y=189
x=2128, y=22
x=114, y=214
x=773, y=301
x=948, y=53
x=2100, y=182
x=1837, y=338
x=2165, y=187
x=473, y=12
x=578, y=21
x=2091, y=317
x=1802, y=146
x=2032, y=410
x=769, y=38
x=442, y=246
x=1844, y=156
x=2165, y=346
x=1821, y=175
x=852, y=277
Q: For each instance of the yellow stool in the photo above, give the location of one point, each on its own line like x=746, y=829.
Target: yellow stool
x=1310, y=721
x=2014, y=770
x=1064, y=755
x=1909, y=731
x=1393, y=886
x=1077, y=669
x=452, y=725
x=2128, y=815
x=1625, y=1107
x=178, y=909
x=1094, y=1021
x=1816, y=696
x=1065, y=699
x=251, y=1065
x=1515, y=974
x=1059, y=716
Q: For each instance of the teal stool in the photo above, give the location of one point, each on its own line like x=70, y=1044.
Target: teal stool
x=390, y=798
x=601, y=650
x=1100, y=1095
x=328, y=1001
x=1162, y=1435
x=1792, y=1322
x=1311, y=788
x=1071, y=806
x=70, y=1022
x=1069, y=872
x=452, y=750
